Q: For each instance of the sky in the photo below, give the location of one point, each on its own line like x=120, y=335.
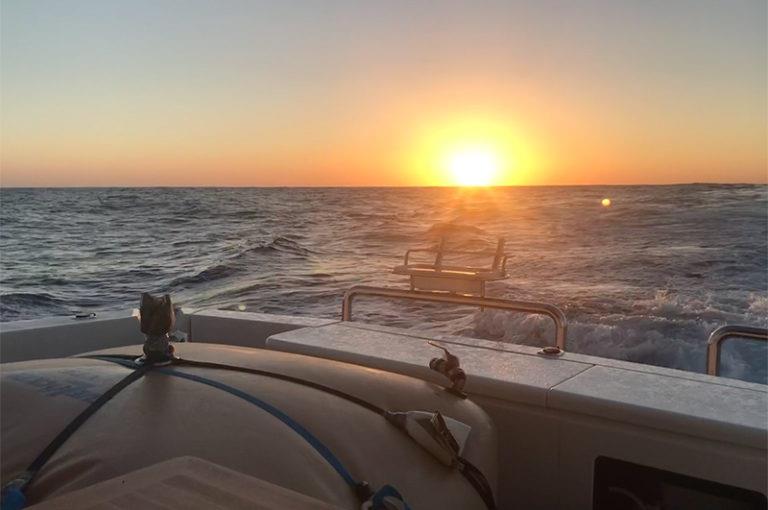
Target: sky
x=382, y=93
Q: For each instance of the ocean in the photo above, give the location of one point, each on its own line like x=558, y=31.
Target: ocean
x=645, y=279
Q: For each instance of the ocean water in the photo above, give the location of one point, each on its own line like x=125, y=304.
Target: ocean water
x=646, y=279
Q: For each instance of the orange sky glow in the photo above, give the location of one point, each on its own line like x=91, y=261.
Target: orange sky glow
x=501, y=95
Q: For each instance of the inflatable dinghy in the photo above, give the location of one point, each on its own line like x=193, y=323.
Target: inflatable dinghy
x=229, y=427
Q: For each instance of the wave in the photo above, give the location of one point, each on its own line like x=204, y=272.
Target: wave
x=246, y=214
x=210, y=274
x=26, y=298
x=280, y=244
x=453, y=229
x=286, y=245
x=18, y=304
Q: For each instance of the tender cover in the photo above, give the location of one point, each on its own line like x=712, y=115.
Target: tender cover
x=161, y=417
x=185, y=482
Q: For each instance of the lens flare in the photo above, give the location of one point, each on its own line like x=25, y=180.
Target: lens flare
x=606, y=202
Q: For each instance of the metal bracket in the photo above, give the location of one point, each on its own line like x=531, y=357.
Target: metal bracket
x=450, y=367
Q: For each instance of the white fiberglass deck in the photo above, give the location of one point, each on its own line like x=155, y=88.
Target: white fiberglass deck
x=715, y=408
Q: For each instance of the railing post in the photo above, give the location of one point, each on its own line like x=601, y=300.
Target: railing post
x=718, y=336
x=346, y=306
x=439, y=256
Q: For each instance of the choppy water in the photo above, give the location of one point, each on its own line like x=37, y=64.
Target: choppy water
x=645, y=280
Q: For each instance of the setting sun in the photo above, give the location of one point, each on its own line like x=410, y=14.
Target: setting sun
x=472, y=150
x=473, y=166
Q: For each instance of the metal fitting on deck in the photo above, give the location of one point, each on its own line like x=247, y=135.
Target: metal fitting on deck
x=157, y=320
x=450, y=367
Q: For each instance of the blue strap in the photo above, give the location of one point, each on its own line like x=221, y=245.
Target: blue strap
x=277, y=413
x=388, y=493
x=12, y=499
x=379, y=500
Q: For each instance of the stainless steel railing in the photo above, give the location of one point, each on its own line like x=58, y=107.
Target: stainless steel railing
x=724, y=332
x=499, y=257
x=553, y=312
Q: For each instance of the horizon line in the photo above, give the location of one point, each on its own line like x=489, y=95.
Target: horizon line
x=309, y=186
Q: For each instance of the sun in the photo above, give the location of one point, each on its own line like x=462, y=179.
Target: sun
x=470, y=151
x=473, y=166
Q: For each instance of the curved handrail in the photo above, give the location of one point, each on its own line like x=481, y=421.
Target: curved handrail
x=714, y=343
x=553, y=312
x=407, y=257
x=499, y=257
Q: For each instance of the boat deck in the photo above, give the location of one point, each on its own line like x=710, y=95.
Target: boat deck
x=559, y=417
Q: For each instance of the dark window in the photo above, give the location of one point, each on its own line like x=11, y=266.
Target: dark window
x=622, y=485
